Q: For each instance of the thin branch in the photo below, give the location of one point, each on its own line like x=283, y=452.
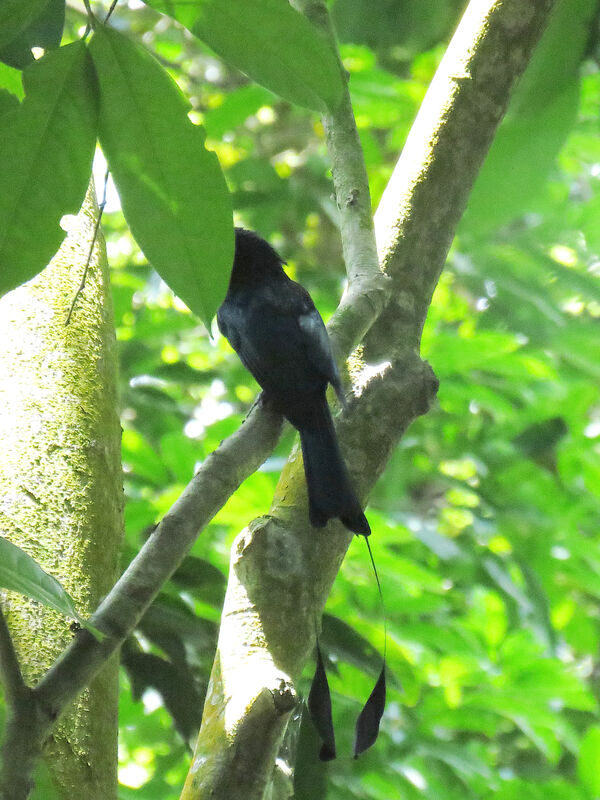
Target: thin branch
x=219, y=476
x=366, y=292
x=113, y=5
x=12, y=678
x=349, y=173
x=81, y=286
x=91, y=19
x=428, y=192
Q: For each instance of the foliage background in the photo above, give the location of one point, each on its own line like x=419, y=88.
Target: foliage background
x=485, y=524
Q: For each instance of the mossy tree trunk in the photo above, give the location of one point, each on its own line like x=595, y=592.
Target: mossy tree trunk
x=60, y=484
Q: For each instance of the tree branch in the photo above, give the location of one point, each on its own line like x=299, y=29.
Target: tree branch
x=367, y=288
x=448, y=142
x=264, y=644
x=22, y=719
x=219, y=476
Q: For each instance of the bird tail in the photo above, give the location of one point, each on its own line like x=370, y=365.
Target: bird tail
x=330, y=490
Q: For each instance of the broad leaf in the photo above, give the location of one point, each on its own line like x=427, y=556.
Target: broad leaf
x=310, y=773
x=589, y=759
x=19, y=572
x=172, y=190
x=456, y=757
x=12, y=80
x=346, y=644
x=176, y=686
x=141, y=460
x=15, y=16
x=46, y=29
x=8, y=102
x=43, y=30
x=17, y=53
x=46, y=151
x=273, y=44
x=235, y=109
x=541, y=114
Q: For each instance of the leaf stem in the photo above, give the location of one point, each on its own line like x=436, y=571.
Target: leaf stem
x=110, y=11
x=81, y=286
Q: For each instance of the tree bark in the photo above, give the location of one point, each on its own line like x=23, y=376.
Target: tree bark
x=60, y=473
x=281, y=569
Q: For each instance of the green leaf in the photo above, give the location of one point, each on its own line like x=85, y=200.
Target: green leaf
x=502, y=578
x=44, y=30
x=11, y=79
x=20, y=573
x=556, y=60
x=523, y=152
x=141, y=460
x=274, y=44
x=346, y=644
x=8, y=102
x=540, y=116
x=18, y=53
x=179, y=454
x=408, y=26
x=46, y=151
x=15, y=16
x=456, y=355
x=171, y=617
x=589, y=759
x=202, y=579
x=235, y=109
x=172, y=190
x=44, y=786
x=556, y=789
x=457, y=757
x=310, y=774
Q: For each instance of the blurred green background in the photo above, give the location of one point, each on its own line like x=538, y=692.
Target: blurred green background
x=486, y=521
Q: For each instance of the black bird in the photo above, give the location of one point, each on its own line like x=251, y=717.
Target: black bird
x=273, y=325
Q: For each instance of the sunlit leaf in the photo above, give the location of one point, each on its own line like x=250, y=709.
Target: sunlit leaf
x=541, y=113
x=46, y=151
x=20, y=573
x=589, y=758
x=274, y=45
x=172, y=190
x=12, y=80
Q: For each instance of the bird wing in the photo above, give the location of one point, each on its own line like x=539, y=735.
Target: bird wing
x=265, y=336
x=319, y=349
x=281, y=339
